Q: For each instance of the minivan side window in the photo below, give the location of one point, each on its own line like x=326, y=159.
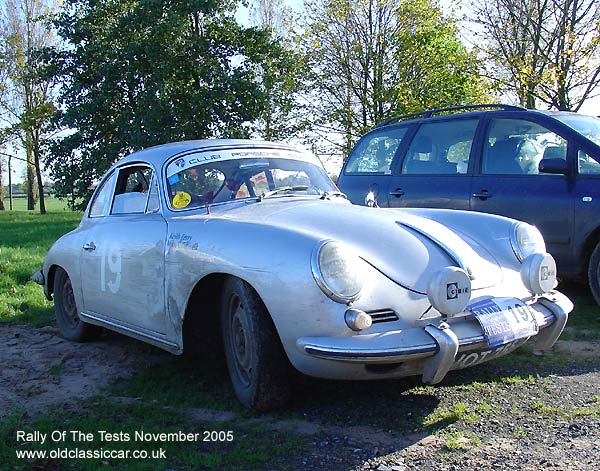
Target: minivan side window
x=374, y=154
x=441, y=148
x=587, y=165
x=516, y=146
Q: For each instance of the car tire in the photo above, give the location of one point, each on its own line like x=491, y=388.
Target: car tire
x=594, y=273
x=257, y=364
x=67, y=314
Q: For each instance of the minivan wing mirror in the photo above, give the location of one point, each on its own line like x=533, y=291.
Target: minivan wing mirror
x=554, y=166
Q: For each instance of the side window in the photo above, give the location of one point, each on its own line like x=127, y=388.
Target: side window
x=374, y=153
x=101, y=203
x=153, y=198
x=516, y=146
x=587, y=165
x=131, y=193
x=441, y=148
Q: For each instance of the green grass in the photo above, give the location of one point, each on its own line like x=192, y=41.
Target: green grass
x=455, y=441
x=584, y=321
x=52, y=204
x=25, y=237
x=442, y=416
x=567, y=411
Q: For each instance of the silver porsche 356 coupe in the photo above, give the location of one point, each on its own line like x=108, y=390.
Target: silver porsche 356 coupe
x=251, y=241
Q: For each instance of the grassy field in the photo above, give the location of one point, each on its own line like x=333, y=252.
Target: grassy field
x=52, y=204
x=25, y=237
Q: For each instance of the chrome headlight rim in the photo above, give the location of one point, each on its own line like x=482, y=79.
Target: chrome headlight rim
x=320, y=278
x=518, y=249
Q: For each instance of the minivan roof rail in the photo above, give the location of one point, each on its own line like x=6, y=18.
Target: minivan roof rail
x=428, y=113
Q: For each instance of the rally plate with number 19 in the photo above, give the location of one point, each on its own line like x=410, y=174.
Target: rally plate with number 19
x=504, y=320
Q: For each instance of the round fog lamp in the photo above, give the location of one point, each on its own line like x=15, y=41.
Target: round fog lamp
x=449, y=290
x=357, y=319
x=538, y=273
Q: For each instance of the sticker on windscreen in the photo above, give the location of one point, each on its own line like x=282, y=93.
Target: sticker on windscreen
x=182, y=200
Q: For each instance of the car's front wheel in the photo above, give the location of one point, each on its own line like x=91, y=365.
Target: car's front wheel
x=594, y=273
x=67, y=315
x=257, y=363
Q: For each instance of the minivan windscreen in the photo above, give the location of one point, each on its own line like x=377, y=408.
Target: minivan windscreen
x=588, y=126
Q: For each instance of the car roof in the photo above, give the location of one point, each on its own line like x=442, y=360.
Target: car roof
x=158, y=155
x=464, y=112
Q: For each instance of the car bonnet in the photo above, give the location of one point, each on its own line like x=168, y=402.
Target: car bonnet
x=406, y=248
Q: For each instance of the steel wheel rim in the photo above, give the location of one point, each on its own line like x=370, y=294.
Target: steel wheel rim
x=69, y=307
x=239, y=342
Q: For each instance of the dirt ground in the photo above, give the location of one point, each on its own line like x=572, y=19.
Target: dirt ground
x=40, y=370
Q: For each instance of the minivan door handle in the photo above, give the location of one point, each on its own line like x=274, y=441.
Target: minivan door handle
x=397, y=192
x=482, y=195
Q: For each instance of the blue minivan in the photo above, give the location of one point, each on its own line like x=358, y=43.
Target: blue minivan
x=542, y=167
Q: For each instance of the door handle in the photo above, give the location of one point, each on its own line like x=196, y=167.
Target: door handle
x=483, y=195
x=90, y=246
x=398, y=192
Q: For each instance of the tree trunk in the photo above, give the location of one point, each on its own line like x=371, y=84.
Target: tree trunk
x=38, y=174
x=1, y=189
x=31, y=183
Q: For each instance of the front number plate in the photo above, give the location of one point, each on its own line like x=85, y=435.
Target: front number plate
x=504, y=320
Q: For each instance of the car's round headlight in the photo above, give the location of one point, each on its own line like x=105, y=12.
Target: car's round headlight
x=334, y=268
x=526, y=240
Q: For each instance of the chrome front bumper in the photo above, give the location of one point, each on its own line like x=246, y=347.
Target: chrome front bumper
x=437, y=343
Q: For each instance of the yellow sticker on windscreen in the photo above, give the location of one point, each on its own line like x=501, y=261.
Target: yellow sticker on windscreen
x=181, y=200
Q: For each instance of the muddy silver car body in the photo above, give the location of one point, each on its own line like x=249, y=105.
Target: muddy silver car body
x=295, y=272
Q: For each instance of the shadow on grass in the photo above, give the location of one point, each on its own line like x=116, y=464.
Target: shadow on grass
x=584, y=321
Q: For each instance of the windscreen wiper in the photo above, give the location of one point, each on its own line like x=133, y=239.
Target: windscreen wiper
x=283, y=189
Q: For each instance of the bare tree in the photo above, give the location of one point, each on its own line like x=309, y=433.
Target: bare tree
x=270, y=14
x=28, y=100
x=543, y=51
x=282, y=80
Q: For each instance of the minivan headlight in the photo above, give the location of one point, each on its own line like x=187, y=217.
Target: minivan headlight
x=334, y=268
x=526, y=240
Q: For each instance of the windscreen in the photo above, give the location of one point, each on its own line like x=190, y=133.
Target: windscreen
x=585, y=125
x=218, y=177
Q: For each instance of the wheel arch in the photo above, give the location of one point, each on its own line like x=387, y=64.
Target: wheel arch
x=587, y=249
x=51, y=276
x=201, y=322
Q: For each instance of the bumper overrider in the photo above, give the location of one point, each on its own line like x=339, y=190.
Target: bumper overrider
x=442, y=344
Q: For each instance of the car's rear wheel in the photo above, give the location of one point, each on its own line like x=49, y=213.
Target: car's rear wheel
x=67, y=314
x=257, y=363
x=594, y=273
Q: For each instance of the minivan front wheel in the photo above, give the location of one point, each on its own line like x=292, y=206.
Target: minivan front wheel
x=594, y=273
